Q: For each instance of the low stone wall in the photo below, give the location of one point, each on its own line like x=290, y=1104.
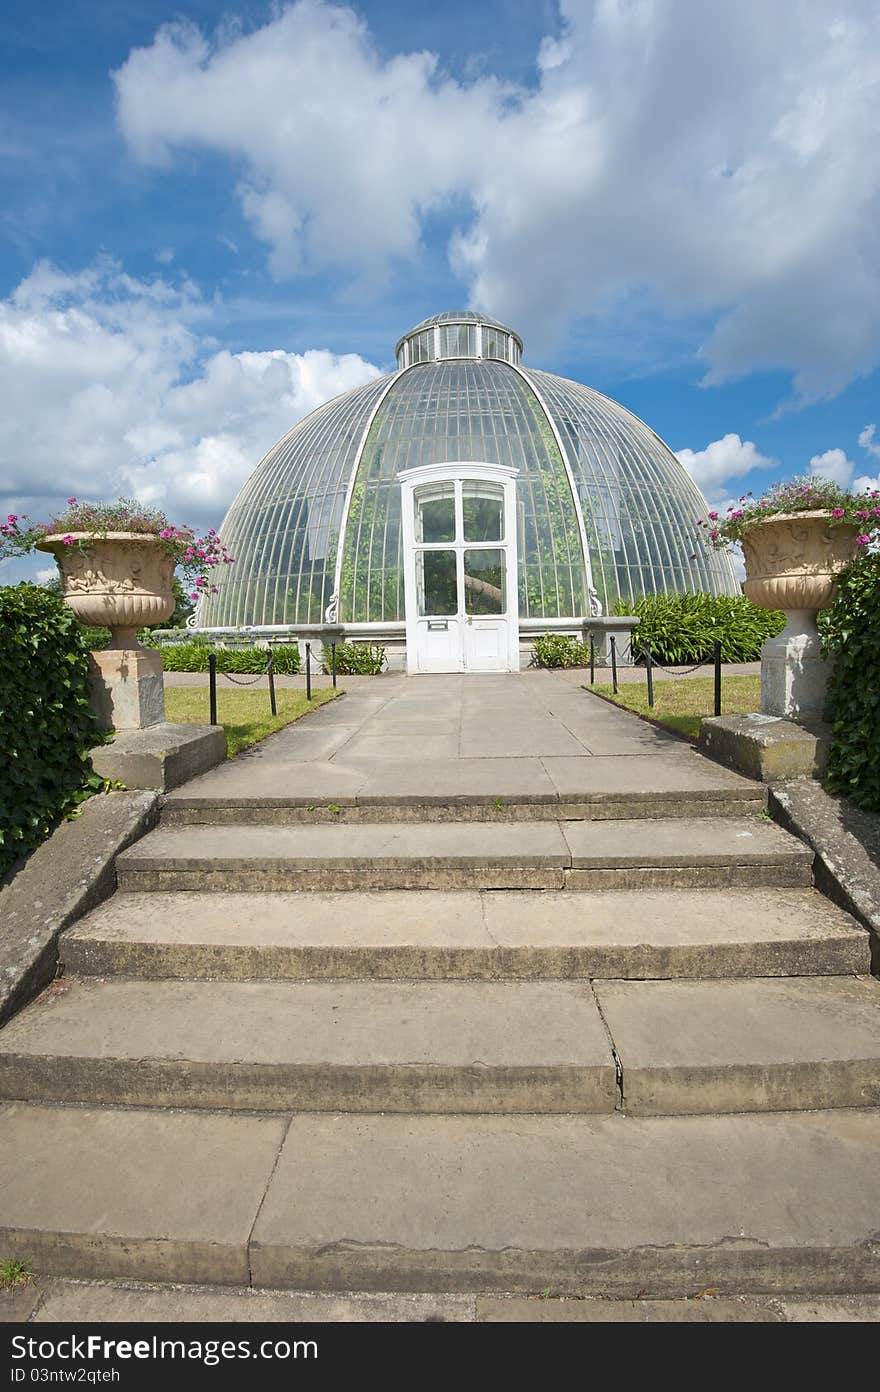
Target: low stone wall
x=63, y=879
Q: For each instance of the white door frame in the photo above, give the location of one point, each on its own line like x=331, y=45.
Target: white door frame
x=459, y=472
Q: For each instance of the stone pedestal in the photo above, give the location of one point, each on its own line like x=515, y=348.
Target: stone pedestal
x=794, y=674
x=160, y=757
x=608, y=626
x=765, y=747
x=128, y=692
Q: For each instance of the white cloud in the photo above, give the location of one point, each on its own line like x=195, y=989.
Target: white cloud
x=712, y=468
x=866, y=484
x=833, y=465
x=716, y=159
x=867, y=441
x=107, y=387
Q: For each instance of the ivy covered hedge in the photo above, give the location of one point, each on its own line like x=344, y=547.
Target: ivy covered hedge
x=46, y=725
x=851, y=629
x=683, y=628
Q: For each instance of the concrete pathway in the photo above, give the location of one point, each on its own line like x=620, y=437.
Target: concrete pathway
x=533, y=736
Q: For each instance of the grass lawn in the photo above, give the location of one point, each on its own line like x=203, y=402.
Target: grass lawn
x=244, y=715
x=679, y=705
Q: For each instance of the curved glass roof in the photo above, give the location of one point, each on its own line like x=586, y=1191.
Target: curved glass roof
x=321, y=514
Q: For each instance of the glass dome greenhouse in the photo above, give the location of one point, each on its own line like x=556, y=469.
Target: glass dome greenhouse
x=600, y=508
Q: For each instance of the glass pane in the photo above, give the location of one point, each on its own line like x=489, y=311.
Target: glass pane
x=436, y=582
x=484, y=582
x=435, y=517
x=483, y=509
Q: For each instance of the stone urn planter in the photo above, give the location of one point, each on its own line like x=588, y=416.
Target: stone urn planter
x=792, y=563
x=122, y=581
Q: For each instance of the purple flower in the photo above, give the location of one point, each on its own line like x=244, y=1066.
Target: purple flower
x=840, y=512
x=68, y=540
x=863, y=540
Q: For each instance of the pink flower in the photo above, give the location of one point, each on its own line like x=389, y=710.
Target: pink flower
x=863, y=540
x=693, y=555
x=70, y=502
x=68, y=540
x=715, y=535
x=713, y=516
x=838, y=512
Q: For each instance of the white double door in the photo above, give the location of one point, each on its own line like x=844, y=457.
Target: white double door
x=459, y=537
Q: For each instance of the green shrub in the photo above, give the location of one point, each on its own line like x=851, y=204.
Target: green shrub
x=356, y=659
x=682, y=628
x=556, y=650
x=193, y=657
x=46, y=725
x=851, y=630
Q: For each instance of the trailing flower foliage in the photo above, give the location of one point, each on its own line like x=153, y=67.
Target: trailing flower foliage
x=46, y=725
x=81, y=523
x=851, y=630
x=802, y=494
x=683, y=628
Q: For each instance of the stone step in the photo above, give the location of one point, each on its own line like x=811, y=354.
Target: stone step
x=437, y=935
x=670, y=781
x=652, y=1207
x=685, y=1047
x=690, y=1047
x=674, y=853
x=452, y=1046
x=60, y=1301
x=657, y=791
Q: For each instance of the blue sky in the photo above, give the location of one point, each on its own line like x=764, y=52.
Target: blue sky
x=216, y=217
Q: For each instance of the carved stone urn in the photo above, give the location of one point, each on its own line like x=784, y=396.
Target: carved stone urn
x=122, y=581
x=792, y=563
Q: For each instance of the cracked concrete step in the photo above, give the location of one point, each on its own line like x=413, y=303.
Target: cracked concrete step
x=614, y=1206
x=735, y=1046
x=451, y=1046
x=62, y=1301
x=676, y=853
x=437, y=935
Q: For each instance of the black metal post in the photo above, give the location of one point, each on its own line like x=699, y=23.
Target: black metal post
x=333, y=663
x=308, y=671
x=212, y=686
x=649, y=673
x=613, y=664
x=270, y=672
x=592, y=660
x=717, y=677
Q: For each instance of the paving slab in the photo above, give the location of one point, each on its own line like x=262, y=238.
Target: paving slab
x=249, y=780
x=613, y=1206
x=107, y=1192
x=72, y=1302
x=477, y=781
x=435, y=935
x=669, y=773
x=503, y=732
x=677, y=842
x=391, y=744
x=453, y=1046
x=730, y=1046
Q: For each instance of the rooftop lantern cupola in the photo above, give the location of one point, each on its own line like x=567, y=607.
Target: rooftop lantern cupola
x=461, y=333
